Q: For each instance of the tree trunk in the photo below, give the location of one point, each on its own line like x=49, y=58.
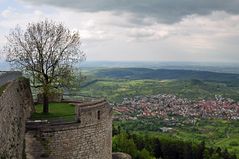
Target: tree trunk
x=45, y=103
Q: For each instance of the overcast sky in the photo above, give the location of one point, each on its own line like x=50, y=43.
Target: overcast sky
x=138, y=30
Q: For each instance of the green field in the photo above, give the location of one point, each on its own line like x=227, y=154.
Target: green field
x=117, y=89
x=57, y=112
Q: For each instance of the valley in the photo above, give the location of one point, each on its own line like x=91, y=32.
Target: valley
x=191, y=106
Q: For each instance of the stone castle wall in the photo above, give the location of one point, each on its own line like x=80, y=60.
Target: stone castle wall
x=7, y=76
x=15, y=106
x=89, y=138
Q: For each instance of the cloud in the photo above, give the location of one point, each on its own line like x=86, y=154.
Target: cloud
x=120, y=32
x=6, y=13
x=165, y=11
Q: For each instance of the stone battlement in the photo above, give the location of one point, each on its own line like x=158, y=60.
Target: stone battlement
x=89, y=137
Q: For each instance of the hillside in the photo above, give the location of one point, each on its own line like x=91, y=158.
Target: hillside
x=162, y=74
x=119, y=83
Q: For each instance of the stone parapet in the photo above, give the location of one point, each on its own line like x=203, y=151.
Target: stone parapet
x=89, y=138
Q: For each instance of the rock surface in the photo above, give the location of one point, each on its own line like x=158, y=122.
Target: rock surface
x=120, y=155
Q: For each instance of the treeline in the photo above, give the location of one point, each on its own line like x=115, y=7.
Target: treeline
x=152, y=147
x=144, y=73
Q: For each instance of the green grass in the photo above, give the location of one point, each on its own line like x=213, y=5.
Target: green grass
x=57, y=111
x=117, y=89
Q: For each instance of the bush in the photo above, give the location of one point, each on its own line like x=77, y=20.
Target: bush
x=233, y=143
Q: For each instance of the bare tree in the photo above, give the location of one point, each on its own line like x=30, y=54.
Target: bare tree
x=47, y=52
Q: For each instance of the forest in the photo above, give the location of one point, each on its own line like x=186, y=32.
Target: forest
x=145, y=146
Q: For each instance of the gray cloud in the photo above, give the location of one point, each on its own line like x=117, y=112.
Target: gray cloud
x=167, y=11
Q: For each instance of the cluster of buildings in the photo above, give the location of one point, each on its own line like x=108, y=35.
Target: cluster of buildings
x=164, y=106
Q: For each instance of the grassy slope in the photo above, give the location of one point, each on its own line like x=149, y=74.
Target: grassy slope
x=57, y=111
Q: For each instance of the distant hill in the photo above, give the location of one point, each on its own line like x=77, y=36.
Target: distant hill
x=118, y=83
x=199, y=66
x=163, y=74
